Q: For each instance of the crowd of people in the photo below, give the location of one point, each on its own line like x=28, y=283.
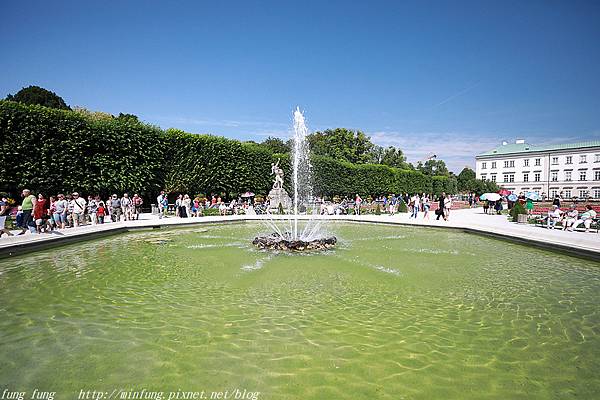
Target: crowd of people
x=572, y=218
x=39, y=214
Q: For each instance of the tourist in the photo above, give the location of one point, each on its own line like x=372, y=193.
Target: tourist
x=426, y=206
x=571, y=217
x=357, y=203
x=178, y=203
x=164, y=207
x=415, y=201
x=159, y=200
x=100, y=211
x=447, y=207
x=441, y=203
x=4, y=212
x=115, y=208
x=187, y=205
x=27, y=206
x=79, y=205
x=59, y=211
x=556, y=201
x=92, y=207
x=69, y=211
x=233, y=207
x=137, y=205
x=529, y=206
x=554, y=216
x=586, y=218
x=498, y=206
x=127, y=206
x=40, y=214
x=223, y=208
x=486, y=206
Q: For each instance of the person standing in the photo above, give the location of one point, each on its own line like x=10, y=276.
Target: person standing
x=187, y=205
x=4, y=212
x=440, y=210
x=447, y=207
x=556, y=201
x=27, y=206
x=426, y=206
x=127, y=206
x=59, y=213
x=178, y=204
x=137, y=205
x=159, y=200
x=357, y=204
x=115, y=209
x=79, y=204
x=416, y=201
x=40, y=214
x=101, y=212
x=93, y=209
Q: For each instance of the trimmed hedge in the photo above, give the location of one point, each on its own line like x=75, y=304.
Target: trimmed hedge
x=49, y=150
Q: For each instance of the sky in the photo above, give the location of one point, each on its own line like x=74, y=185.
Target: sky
x=451, y=78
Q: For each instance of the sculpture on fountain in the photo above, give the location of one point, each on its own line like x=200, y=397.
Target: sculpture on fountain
x=278, y=195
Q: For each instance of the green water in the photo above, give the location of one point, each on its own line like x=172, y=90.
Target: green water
x=391, y=313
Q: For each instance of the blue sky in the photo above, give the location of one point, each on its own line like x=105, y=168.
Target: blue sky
x=449, y=77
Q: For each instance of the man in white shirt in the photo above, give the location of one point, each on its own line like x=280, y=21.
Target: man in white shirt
x=416, y=203
x=78, y=204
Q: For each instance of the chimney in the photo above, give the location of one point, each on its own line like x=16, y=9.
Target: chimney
x=520, y=141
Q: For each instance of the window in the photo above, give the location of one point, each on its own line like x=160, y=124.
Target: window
x=554, y=160
x=484, y=165
x=568, y=176
x=596, y=157
x=538, y=162
x=583, y=193
x=567, y=194
x=483, y=177
x=554, y=177
x=553, y=193
x=597, y=193
x=526, y=162
x=582, y=175
x=493, y=177
x=526, y=177
x=569, y=160
x=582, y=159
x=493, y=164
x=511, y=177
x=597, y=175
x=537, y=176
x=505, y=177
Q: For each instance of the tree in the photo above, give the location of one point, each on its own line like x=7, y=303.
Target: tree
x=39, y=96
x=466, y=180
x=433, y=168
x=128, y=117
x=394, y=157
x=276, y=145
x=342, y=144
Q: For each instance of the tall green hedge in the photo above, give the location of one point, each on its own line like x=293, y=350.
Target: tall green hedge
x=53, y=151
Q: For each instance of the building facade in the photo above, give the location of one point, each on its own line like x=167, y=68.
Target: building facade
x=572, y=170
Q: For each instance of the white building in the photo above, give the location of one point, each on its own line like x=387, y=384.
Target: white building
x=570, y=169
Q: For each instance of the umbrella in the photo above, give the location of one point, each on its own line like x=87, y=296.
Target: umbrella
x=512, y=197
x=490, y=196
x=532, y=195
x=248, y=194
x=504, y=192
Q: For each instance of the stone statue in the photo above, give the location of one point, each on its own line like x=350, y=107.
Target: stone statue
x=278, y=184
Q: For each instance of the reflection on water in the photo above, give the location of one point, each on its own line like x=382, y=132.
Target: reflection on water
x=392, y=312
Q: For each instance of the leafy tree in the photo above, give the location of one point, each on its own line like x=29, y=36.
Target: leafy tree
x=276, y=145
x=342, y=144
x=128, y=117
x=433, y=167
x=39, y=96
x=394, y=157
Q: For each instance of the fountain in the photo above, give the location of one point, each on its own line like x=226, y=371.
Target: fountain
x=311, y=236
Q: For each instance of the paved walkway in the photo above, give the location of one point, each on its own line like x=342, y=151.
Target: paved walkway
x=473, y=220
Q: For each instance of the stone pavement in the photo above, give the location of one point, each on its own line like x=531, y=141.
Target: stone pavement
x=471, y=220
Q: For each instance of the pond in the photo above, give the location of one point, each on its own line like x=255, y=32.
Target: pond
x=392, y=312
